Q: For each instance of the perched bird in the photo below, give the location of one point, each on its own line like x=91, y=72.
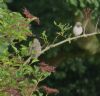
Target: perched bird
x=35, y=48
x=77, y=30
x=90, y=44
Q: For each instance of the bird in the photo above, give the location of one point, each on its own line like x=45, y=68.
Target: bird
x=36, y=47
x=77, y=29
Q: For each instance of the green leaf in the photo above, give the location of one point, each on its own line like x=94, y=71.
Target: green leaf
x=19, y=74
x=55, y=23
x=89, y=1
x=34, y=81
x=74, y=2
x=40, y=94
x=15, y=49
x=96, y=3
x=1, y=1
x=24, y=50
x=34, y=95
x=35, y=60
x=82, y=4
x=44, y=37
x=1, y=22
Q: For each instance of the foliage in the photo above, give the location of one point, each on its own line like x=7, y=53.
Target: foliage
x=83, y=4
x=18, y=78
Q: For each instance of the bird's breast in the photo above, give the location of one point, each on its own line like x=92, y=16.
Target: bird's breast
x=77, y=31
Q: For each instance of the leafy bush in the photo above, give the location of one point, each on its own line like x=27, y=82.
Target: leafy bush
x=18, y=77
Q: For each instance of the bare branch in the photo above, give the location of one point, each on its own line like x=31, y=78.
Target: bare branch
x=67, y=40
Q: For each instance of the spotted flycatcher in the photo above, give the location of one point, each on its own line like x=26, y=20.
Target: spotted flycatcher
x=77, y=30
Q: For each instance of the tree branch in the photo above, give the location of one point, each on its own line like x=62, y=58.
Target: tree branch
x=62, y=42
x=28, y=60
x=67, y=40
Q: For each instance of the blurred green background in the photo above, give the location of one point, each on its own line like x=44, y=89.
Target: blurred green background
x=78, y=70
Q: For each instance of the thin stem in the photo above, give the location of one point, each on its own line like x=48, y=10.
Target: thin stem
x=85, y=26
x=28, y=60
x=96, y=25
x=34, y=89
x=55, y=39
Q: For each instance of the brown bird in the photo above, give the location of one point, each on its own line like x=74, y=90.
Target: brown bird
x=35, y=49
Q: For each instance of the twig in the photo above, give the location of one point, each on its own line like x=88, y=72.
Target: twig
x=97, y=25
x=84, y=28
x=55, y=39
x=34, y=89
x=28, y=60
x=67, y=40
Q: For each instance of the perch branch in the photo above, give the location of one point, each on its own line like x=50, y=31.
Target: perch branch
x=67, y=40
x=62, y=42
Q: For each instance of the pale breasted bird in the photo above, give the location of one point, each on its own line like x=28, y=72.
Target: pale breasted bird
x=91, y=44
x=77, y=29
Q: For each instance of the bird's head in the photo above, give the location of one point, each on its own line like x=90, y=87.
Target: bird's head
x=78, y=24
